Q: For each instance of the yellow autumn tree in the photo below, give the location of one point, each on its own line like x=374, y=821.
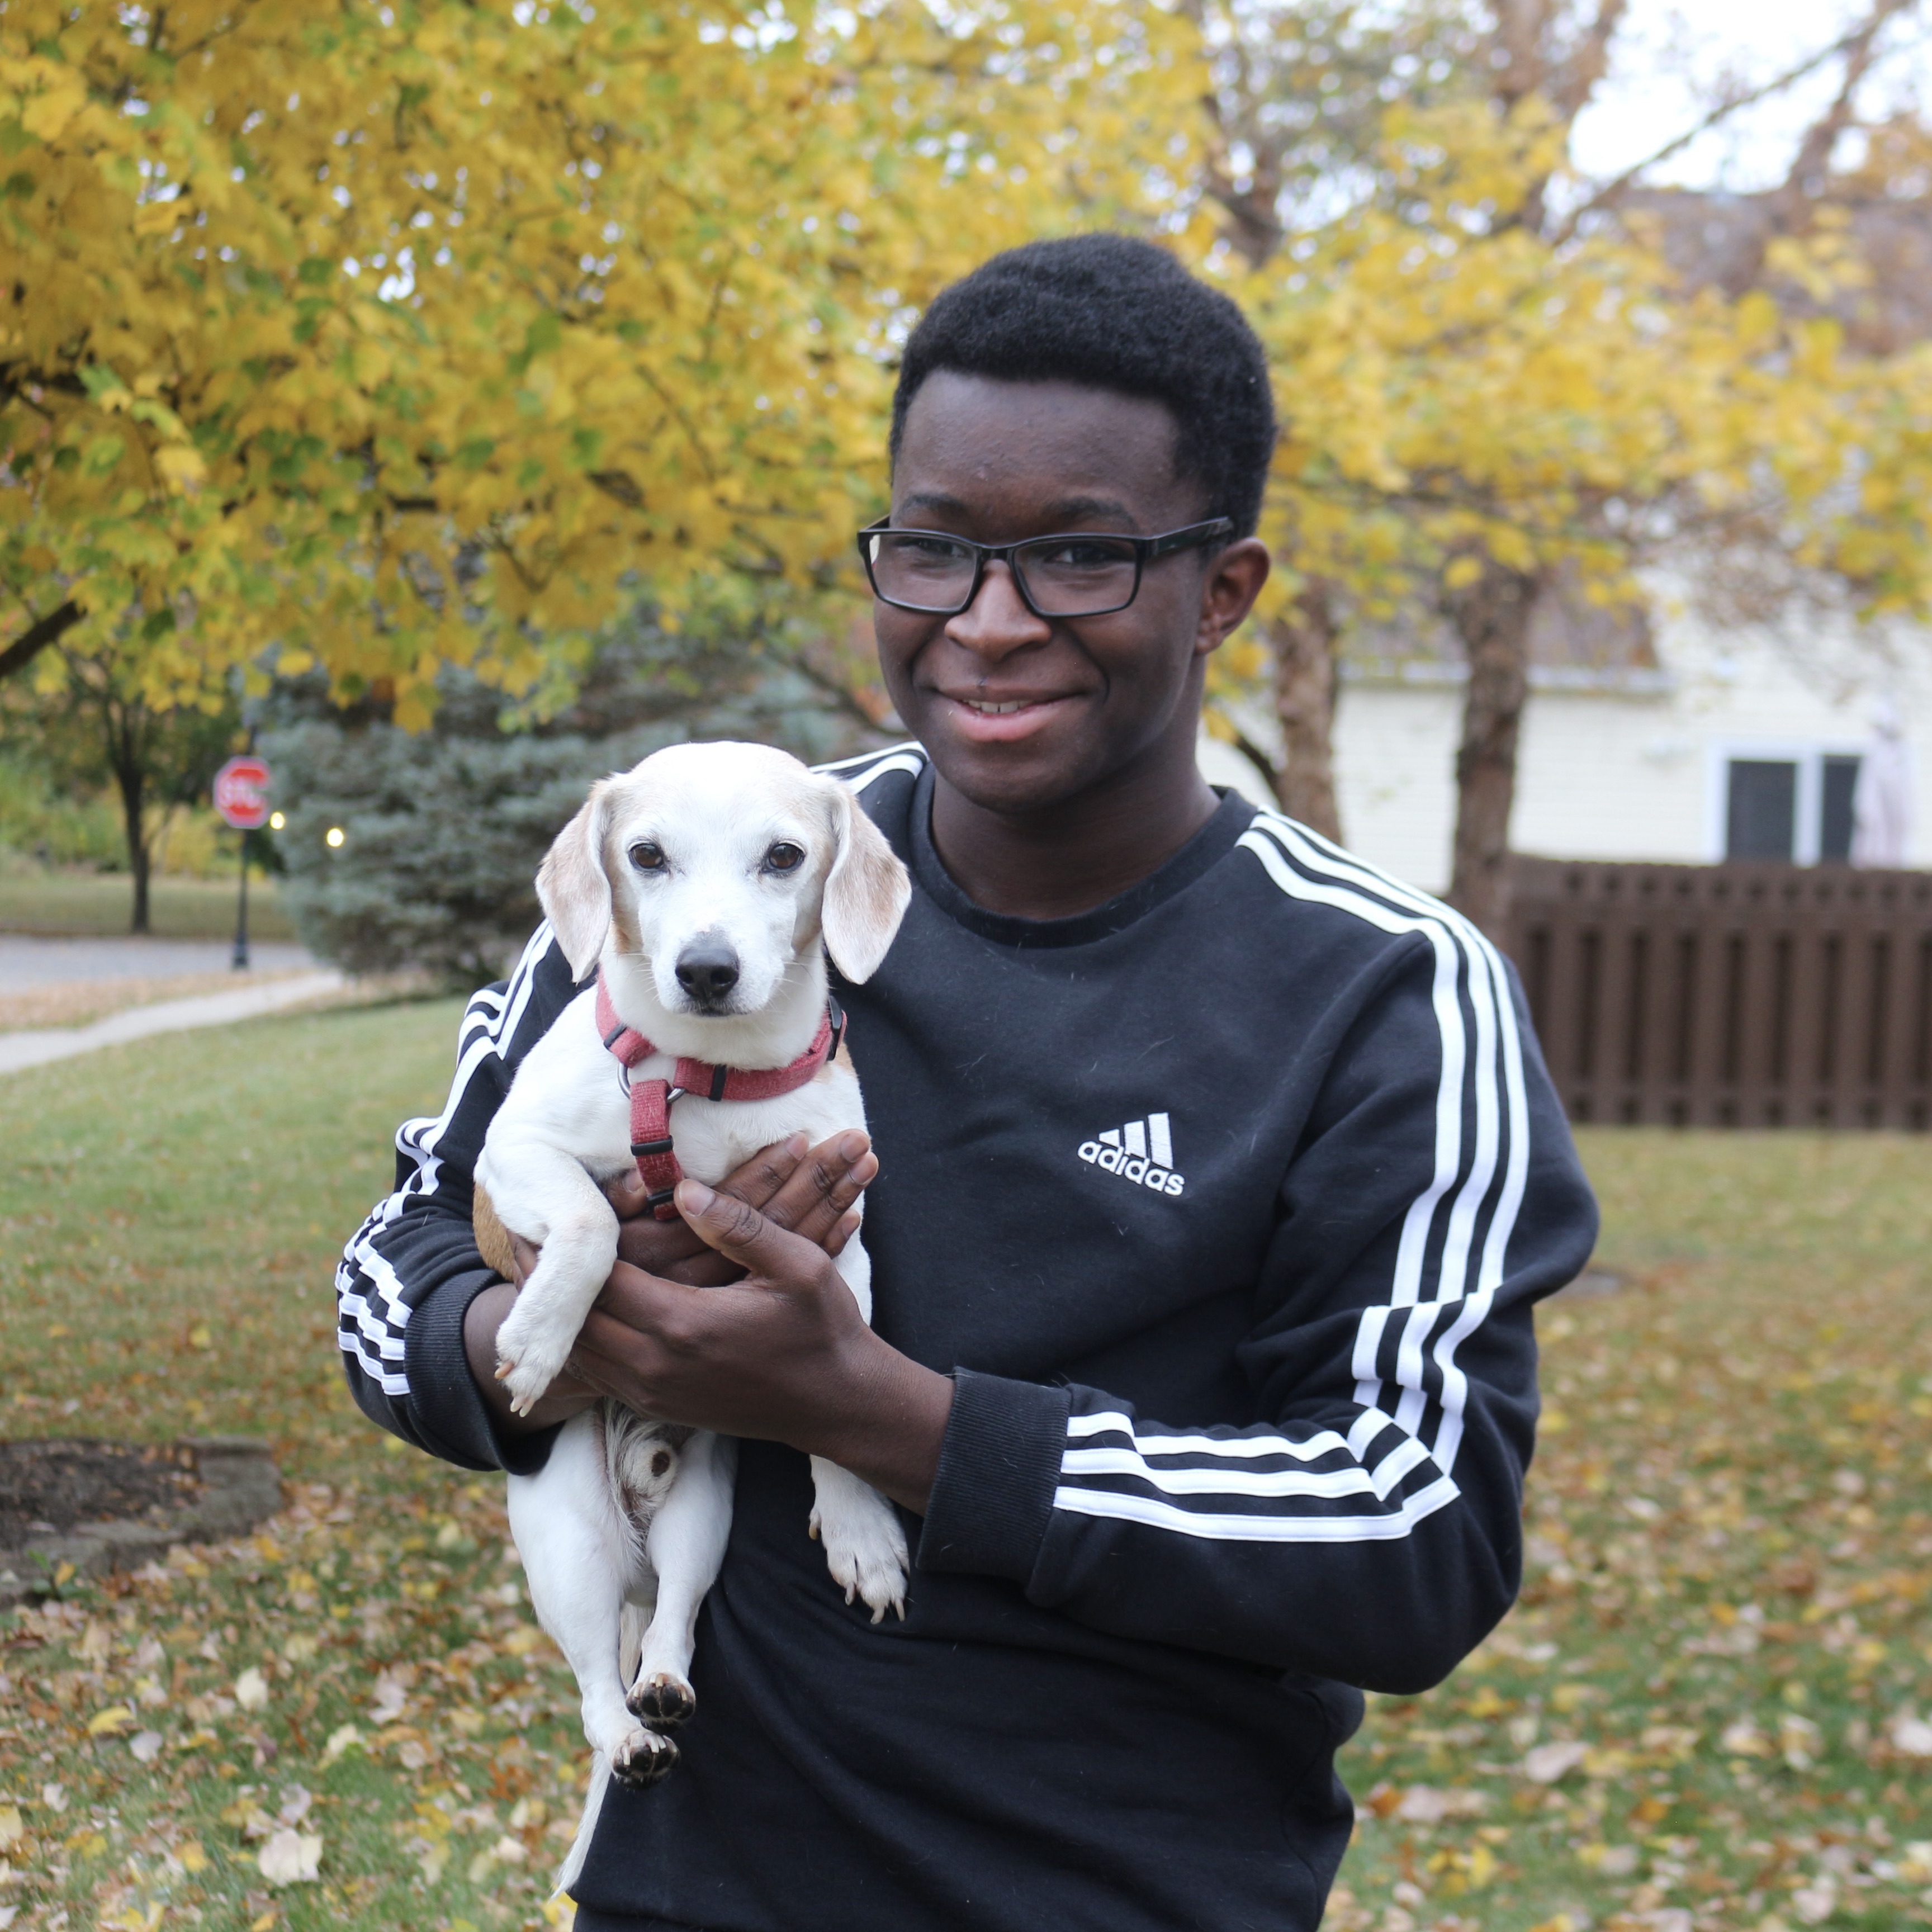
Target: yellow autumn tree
x=389, y=335
x=1497, y=383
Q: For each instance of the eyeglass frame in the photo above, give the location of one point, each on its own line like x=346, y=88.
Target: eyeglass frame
x=1146, y=550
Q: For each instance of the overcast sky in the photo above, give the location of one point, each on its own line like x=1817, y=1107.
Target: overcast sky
x=1651, y=95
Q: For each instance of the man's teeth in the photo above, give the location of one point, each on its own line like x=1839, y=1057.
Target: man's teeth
x=998, y=710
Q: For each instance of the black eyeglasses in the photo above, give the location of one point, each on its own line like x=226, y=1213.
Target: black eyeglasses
x=1081, y=574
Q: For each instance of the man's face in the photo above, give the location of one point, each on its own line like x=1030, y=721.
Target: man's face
x=999, y=461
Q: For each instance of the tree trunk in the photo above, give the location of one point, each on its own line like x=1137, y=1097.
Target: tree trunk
x=1302, y=642
x=1492, y=617
x=131, y=776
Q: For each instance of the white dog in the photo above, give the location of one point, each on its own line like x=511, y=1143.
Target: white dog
x=700, y=884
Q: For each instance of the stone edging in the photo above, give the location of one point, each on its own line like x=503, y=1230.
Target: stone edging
x=241, y=1487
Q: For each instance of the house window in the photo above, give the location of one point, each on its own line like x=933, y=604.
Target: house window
x=1797, y=808
x=1761, y=814
x=1835, y=818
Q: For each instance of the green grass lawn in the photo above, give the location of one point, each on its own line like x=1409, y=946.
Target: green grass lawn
x=1707, y=1713
x=94, y=905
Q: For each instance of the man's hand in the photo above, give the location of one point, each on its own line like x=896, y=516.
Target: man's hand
x=780, y=1355
x=812, y=1191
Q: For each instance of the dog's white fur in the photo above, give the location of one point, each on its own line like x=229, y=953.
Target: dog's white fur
x=627, y=1519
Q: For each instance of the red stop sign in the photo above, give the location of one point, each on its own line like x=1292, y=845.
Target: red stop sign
x=242, y=793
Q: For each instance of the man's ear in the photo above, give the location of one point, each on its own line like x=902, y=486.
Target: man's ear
x=866, y=891
x=573, y=887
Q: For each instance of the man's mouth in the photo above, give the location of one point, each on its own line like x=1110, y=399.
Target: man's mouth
x=987, y=709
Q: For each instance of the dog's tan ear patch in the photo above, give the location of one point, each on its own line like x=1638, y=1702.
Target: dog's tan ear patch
x=866, y=891
x=573, y=887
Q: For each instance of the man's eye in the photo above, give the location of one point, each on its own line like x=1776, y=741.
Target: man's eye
x=647, y=857
x=785, y=857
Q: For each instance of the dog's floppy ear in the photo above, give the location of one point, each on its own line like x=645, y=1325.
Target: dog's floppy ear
x=573, y=887
x=866, y=891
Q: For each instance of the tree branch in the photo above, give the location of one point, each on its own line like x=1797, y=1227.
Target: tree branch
x=1613, y=189
x=37, y=636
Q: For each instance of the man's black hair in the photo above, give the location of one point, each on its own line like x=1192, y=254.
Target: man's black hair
x=1110, y=312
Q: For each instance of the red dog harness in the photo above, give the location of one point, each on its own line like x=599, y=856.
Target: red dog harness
x=650, y=1100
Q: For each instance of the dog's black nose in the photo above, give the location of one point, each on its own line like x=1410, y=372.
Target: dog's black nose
x=707, y=969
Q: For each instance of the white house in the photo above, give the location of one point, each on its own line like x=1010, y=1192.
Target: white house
x=1690, y=744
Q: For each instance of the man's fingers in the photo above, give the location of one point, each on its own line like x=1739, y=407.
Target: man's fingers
x=627, y=1194
x=824, y=1187
x=526, y=1255
x=766, y=1173
x=743, y=1235
x=834, y=1244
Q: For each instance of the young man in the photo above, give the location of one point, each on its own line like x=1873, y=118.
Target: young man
x=1216, y=1175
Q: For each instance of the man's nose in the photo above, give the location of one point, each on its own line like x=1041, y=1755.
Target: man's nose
x=997, y=622
x=707, y=969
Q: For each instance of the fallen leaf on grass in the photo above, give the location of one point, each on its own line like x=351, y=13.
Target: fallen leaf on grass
x=12, y=1827
x=146, y=1746
x=251, y=1690
x=1911, y=1735
x=290, y=1858
x=105, y=1724
x=1423, y=1805
x=1814, y=1903
x=1548, y=1763
x=344, y=1737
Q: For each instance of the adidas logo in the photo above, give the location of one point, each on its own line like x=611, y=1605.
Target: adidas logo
x=1142, y=1152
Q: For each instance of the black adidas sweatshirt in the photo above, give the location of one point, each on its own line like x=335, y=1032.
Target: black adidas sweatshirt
x=1226, y=1205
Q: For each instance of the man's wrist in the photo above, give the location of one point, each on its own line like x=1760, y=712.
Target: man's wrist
x=890, y=1430
x=485, y=1315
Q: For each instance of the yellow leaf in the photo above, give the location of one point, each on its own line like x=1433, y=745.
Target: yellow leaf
x=12, y=1827
x=105, y=1724
x=47, y=115
x=192, y=1858
x=181, y=465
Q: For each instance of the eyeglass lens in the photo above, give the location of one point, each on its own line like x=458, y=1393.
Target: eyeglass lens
x=1064, y=576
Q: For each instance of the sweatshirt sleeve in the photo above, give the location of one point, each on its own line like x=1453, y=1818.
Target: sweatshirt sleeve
x=409, y=1272
x=1368, y=1530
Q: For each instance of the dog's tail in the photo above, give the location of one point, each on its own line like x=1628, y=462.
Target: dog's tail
x=593, y=1803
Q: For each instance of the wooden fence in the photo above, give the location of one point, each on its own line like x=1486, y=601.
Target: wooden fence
x=1739, y=995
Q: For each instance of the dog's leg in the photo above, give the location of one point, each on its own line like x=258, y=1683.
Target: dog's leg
x=581, y=1558
x=865, y=1547
x=686, y=1545
x=580, y=1246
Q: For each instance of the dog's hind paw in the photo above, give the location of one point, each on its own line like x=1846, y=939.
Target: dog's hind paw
x=642, y=1759
x=661, y=1699
x=865, y=1551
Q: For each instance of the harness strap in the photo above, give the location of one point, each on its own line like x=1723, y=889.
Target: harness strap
x=651, y=1100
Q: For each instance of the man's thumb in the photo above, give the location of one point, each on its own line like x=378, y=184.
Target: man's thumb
x=733, y=1227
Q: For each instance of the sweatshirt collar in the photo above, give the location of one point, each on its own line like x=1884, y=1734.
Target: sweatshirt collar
x=1208, y=846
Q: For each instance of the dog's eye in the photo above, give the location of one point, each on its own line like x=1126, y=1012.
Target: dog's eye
x=785, y=857
x=647, y=857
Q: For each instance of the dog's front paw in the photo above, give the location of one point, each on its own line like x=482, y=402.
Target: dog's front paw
x=528, y=1360
x=663, y=1698
x=865, y=1547
x=642, y=1759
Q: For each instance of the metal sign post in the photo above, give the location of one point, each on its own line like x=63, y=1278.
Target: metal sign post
x=242, y=797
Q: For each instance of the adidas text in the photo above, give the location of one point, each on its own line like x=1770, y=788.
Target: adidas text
x=1141, y=1152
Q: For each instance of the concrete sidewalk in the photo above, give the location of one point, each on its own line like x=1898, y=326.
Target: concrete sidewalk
x=19, y=1050
x=27, y=961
